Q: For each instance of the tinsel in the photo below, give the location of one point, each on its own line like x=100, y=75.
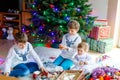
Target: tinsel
x=102, y=71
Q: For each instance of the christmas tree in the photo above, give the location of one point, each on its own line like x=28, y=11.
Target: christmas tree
x=50, y=18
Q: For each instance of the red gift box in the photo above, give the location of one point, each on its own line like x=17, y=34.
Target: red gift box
x=101, y=32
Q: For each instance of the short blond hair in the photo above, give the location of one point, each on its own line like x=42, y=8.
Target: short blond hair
x=84, y=45
x=73, y=24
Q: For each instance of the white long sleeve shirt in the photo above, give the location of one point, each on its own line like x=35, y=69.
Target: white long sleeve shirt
x=84, y=57
x=17, y=56
x=71, y=41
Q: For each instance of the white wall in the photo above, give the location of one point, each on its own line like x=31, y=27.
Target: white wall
x=99, y=8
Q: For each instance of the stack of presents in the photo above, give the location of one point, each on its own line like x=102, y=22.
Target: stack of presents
x=100, y=41
x=99, y=38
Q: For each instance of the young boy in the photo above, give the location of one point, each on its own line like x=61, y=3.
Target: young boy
x=20, y=58
x=82, y=58
x=68, y=46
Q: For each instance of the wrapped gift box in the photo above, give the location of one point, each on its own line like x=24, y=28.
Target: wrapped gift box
x=105, y=45
x=101, y=46
x=100, y=32
x=88, y=40
x=93, y=44
x=71, y=75
x=101, y=22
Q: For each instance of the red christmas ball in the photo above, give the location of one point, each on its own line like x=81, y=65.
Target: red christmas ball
x=34, y=76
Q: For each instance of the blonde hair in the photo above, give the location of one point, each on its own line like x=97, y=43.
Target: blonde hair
x=21, y=37
x=84, y=45
x=73, y=24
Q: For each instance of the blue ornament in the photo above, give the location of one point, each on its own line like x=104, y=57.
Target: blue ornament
x=78, y=9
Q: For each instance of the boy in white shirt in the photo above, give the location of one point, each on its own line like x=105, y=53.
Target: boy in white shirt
x=68, y=46
x=20, y=58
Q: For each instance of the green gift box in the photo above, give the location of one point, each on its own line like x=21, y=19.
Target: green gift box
x=105, y=45
x=101, y=46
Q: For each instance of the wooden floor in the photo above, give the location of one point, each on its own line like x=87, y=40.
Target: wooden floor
x=4, y=47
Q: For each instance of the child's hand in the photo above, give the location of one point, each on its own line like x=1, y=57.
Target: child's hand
x=62, y=47
x=6, y=74
x=85, y=63
x=81, y=63
x=44, y=71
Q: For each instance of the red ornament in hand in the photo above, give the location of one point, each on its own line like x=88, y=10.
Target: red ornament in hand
x=44, y=73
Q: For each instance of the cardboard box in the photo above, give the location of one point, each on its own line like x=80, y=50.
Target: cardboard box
x=2, y=77
x=71, y=75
